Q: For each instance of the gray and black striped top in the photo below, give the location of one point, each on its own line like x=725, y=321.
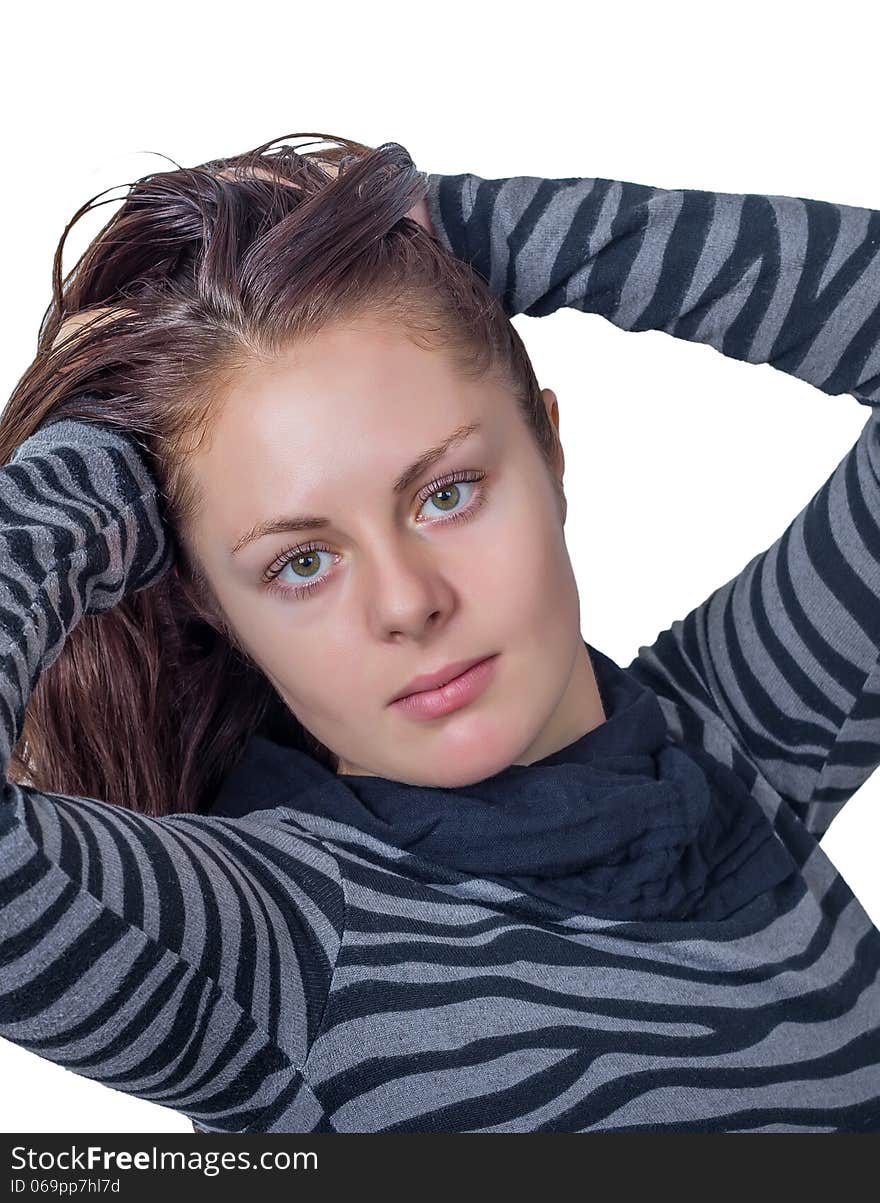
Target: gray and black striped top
x=281, y=972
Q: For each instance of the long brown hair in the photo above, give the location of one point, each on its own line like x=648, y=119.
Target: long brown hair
x=201, y=271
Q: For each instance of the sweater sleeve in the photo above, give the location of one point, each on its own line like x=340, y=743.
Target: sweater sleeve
x=786, y=652
x=185, y=960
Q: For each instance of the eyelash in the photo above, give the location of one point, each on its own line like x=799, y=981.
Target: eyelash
x=291, y=553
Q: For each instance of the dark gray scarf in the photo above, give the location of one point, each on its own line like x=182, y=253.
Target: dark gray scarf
x=622, y=823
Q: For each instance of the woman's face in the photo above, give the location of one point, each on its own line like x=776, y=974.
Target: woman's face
x=398, y=582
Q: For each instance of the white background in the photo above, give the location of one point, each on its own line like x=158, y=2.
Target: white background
x=680, y=464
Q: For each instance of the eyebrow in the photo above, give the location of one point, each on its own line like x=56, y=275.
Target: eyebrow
x=273, y=526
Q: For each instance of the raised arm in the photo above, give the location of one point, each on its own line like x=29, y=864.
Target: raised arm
x=767, y=279
x=786, y=652
x=184, y=960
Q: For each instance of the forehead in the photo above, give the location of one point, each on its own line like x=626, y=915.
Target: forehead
x=354, y=400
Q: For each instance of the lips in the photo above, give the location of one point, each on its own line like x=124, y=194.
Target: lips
x=459, y=693
x=441, y=677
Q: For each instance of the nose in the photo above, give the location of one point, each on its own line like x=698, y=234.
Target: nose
x=407, y=589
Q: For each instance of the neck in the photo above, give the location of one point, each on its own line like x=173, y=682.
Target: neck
x=580, y=710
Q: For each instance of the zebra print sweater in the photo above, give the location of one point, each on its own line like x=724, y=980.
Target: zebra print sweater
x=280, y=972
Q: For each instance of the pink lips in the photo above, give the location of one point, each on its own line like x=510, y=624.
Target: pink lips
x=432, y=703
x=441, y=677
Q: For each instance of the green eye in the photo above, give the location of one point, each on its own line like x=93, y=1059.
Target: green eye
x=304, y=560
x=296, y=562
x=451, y=498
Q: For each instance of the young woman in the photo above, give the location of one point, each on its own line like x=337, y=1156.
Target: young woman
x=288, y=463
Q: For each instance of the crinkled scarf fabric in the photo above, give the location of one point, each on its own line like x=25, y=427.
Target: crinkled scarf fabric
x=623, y=823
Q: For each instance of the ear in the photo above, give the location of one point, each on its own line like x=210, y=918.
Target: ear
x=551, y=404
x=552, y=407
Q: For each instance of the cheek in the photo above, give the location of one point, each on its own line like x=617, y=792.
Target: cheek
x=312, y=673
x=269, y=634
x=526, y=571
